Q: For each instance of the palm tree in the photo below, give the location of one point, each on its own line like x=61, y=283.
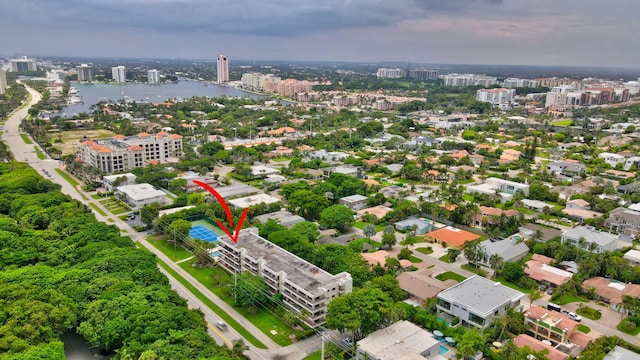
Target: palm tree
x=238, y=349
x=534, y=295
x=629, y=305
x=496, y=261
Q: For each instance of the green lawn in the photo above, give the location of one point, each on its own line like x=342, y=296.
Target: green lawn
x=589, y=313
x=414, y=259
x=583, y=329
x=370, y=242
x=282, y=159
x=504, y=282
x=565, y=299
x=445, y=258
x=425, y=250
x=175, y=253
x=96, y=208
x=566, y=122
x=226, y=317
x=97, y=197
x=114, y=205
x=360, y=225
x=628, y=327
x=263, y=320
x=314, y=356
x=26, y=139
x=67, y=178
x=450, y=275
x=39, y=153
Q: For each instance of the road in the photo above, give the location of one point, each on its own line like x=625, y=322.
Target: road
x=47, y=167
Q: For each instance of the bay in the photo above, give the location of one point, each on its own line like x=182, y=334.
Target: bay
x=152, y=93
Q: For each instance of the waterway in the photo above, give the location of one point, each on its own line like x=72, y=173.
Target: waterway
x=76, y=348
x=93, y=93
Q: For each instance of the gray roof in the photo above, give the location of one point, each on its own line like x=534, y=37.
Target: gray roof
x=354, y=198
x=619, y=353
x=412, y=221
x=480, y=295
x=505, y=248
x=400, y=341
x=284, y=218
x=591, y=235
x=236, y=190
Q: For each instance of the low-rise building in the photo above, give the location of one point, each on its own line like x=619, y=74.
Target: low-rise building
x=400, y=341
x=379, y=211
x=524, y=340
x=422, y=226
x=506, y=249
x=245, y=202
x=489, y=215
x=612, y=159
x=623, y=221
x=590, y=239
x=354, y=202
x=477, y=301
x=539, y=269
x=262, y=171
x=139, y=195
x=348, y=170
x=109, y=182
x=306, y=289
x=567, y=167
x=549, y=325
x=610, y=291
x=283, y=217
x=632, y=257
x=535, y=205
x=620, y=353
x=451, y=237
x=420, y=285
x=505, y=188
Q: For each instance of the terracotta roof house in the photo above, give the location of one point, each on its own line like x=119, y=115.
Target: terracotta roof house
x=451, y=237
x=524, y=340
x=611, y=291
x=540, y=270
x=420, y=285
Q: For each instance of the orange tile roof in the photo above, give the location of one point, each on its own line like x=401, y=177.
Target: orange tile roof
x=154, y=162
x=162, y=134
x=119, y=136
x=88, y=143
x=135, y=148
x=175, y=136
x=143, y=134
x=452, y=236
x=103, y=149
x=523, y=340
x=561, y=321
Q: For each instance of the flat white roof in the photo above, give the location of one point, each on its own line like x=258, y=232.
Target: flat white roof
x=115, y=177
x=400, y=341
x=633, y=255
x=139, y=192
x=480, y=295
x=245, y=202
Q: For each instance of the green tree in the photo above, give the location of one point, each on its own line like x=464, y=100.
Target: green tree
x=307, y=204
x=534, y=294
x=250, y=291
x=337, y=217
x=389, y=239
x=308, y=230
x=389, y=284
x=470, y=343
x=512, y=271
x=369, y=231
x=179, y=230
x=360, y=312
x=149, y=213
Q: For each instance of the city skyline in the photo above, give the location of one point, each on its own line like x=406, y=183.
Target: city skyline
x=519, y=32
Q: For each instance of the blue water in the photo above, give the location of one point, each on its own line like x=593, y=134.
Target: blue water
x=94, y=93
x=203, y=233
x=215, y=254
x=443, y=350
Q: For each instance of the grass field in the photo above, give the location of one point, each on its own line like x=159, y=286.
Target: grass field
x=414, y=259
x=67, y=177
x=360, y=225
x=583, y=329
x=114, y=205
x=70, y=138
x=314, y=356
x=504, y=282
x=445, y=258
x=96, y=208
x=425, y=250
x=565, y=299
x=39, y=153
x=565, y=122
x=175, y=253
x=26, y=139
x=226, y=317
x=450, y=275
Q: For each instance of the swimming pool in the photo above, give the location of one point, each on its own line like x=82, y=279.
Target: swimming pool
x=215, y=254
x=443, y=350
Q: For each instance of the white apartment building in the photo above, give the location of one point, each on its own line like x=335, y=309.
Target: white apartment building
x=57, y=74
x=391, y=73
x=122, y=153
x=423, y=74
x=139, y=195
x=22, y=64
x=3, y=81
x=153, y=76
x=85, y=73
x=496, y=96
x=222, y=69
x=119, y=74
x=517, y=82
x=305, y=288
x=469, y=80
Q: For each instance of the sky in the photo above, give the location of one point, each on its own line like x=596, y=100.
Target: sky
x=514, y=32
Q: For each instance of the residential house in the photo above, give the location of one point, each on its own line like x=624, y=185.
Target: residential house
x=612, y=159
x=539, y=269
x=423, y=141
x=139, y=195
x=477, y=301
x=402, y=340
x=451, y=237
x=632, y=161
x=504, y=188
x=109, y=182
x=262, y=171
x=535, y=205
x=283, y=217
x=422, y=226
x=620, y=353
x=610, y=291
x=506, y=249
x=349, y=170
x=579, y=210
x=394, y=168
x=567, y=168
x=392, y=191
x=590, y=239
x=248, y=201
x=623, y=221
x=354, y=202
x=633, y=257
x=524, y=340
x=379, y=211
x=510, y=155
x=529, y=231
x=490, y=215
x=549, y=325
x=380, y=258
x=421, y=285
x=578, y=204
x=619, y=174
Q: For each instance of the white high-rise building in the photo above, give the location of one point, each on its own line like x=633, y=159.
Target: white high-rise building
x=119, y=74
x=223, y=69
x=23, y=64
x=3, y=81
x=496, y=96
x=57, y=74
x=153, y=76
x=85, y=73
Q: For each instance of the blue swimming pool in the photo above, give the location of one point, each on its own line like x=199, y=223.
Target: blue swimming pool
x=443, y=350
x=215, y=254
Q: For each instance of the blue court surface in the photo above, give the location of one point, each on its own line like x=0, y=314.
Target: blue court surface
x=202, y=233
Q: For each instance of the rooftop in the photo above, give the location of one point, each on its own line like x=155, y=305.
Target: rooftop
x=591, y=235
x=400, y=341
x=231, y=191
x=284, y=218
x=245, y=202
x=452, y=236
x=480, y=295
x=523, y=340
x=422, y=285
x=301, y=272
x=140, y=192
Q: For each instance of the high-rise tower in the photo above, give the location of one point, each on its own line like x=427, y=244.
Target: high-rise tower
x=223, y=69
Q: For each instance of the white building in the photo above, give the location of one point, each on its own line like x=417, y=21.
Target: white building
x=496, y=96
x=109, y=181
x=3, y=81
x=354, y=202
x=22, y=64
x=57, y=74
x=517, y=82
x=402, y=340
x=245, y=202
x=477, y=301
x=119, y=74
x=85, y=73
x=589, y=239
x=612, y=159
x=122, y=153
x=153, y=76
x=505, y=188
x=139, y=195
x=469, y=80
x=391, y=73
x=222, y=69
x=305, y=288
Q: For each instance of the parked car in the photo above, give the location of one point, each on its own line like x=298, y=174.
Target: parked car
x=550, y=292
x=348, y=341
x=572, y=315
x=543, y=288
x=221, y=325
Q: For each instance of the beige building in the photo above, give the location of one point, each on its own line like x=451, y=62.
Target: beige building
x=122, y=153
x=3, y=82
x=306, y=289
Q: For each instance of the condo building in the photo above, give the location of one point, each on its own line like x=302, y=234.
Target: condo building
x=85, y=73
x=153, y=76
x=119, y=74
x=222, y=69
x=3, y=81
x=123, y=153
x=496, y=96
x=22, y=64
x=306, y=289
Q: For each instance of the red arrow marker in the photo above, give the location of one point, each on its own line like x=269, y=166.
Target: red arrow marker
x=232, y=235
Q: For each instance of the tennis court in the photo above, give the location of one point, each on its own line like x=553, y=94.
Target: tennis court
x=202, y=233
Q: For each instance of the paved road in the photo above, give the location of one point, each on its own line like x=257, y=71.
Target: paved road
x=25, y=152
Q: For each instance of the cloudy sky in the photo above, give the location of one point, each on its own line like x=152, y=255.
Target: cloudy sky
x=525, y=32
